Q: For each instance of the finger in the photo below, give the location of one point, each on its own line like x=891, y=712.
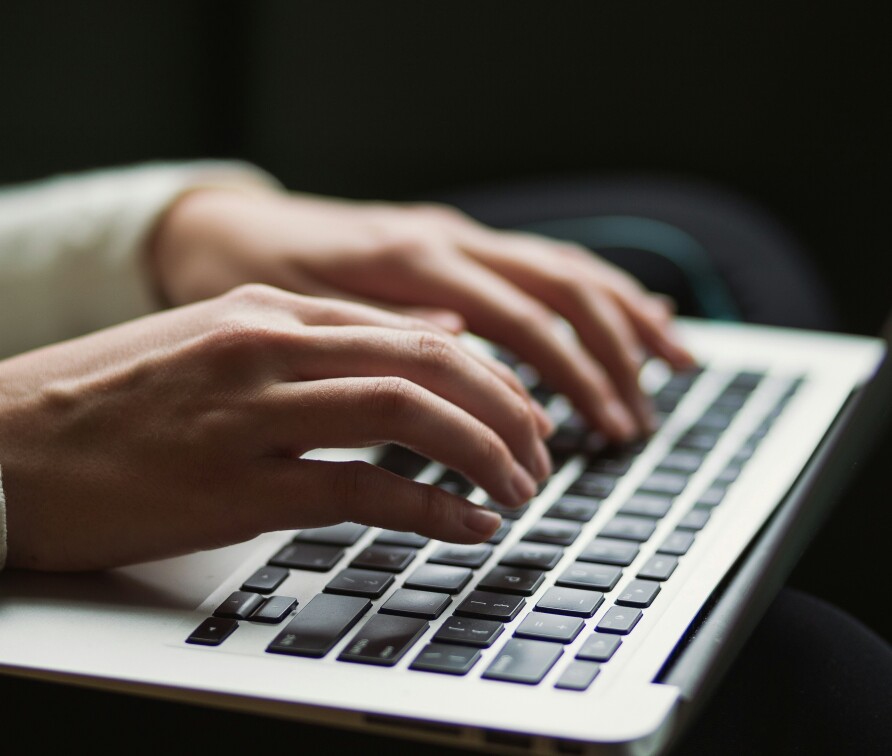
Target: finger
x=354, y=412
x=436, y=363
x=311, y=493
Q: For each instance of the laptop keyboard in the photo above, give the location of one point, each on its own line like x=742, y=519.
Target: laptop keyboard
x=595, y=595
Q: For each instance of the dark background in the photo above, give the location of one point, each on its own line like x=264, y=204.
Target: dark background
x=785, y=103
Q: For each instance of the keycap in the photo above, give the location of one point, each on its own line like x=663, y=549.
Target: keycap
x=493, y=606
x=274, y=609
x=715, y=419
x=266, y=579
x=507, y=513
x=578, y=675
x=469, y=632
x=551, y=627
x=598, y=577
x=524, y=661
x=411, y=603
x=308, y=556
x=629, y=528
x=399, y=538
x=664, y=482
x=599, y=647
x=213, y=631
x=354, y=582
x=439, y=577
x=658, y=567
x=695, y=519
x=747, y=380
x=450, y=660
x=316, y=629
x=387, y=558
x=402, y=461
x=728, y=475
x=711, y=497
x=239, y=605
x=608, y=551
x=619, y=620
x=558, y=532
x=343, y=534
x=597, y=485
x=455, y=483
x=383, y=640
x=677, y=542
x=571, y=601
x=682, y=460
x=504, y=528
x=647, y=505
x=578, y=508
x=539, y=556
x=614, y=462
x=730, y=399
x=461, y=556
x=512, y=580
x=640, y=593
x=700, y=440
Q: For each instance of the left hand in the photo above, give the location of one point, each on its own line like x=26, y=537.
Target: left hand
x=433, y=261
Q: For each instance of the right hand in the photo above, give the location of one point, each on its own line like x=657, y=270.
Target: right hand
x=184, y=430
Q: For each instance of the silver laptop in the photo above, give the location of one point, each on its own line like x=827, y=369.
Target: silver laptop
x=597, y=620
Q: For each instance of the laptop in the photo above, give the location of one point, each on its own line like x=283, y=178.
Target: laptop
x=597, y=620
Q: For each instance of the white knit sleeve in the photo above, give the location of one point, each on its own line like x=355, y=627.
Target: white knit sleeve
x=72, y=248
x=2, y=523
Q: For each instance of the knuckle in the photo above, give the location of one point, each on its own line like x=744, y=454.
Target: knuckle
x=435, y=350
x=393, y=396
x=253, y=293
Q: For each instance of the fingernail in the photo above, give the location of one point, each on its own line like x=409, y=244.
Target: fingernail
x=542, y=461
x=522, y=485
x=481, y=520
x=545, y=423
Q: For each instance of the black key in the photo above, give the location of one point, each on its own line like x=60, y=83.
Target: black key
x=402, y=461
x=616, y=463
x=469, y=632
x=387, y=558
x=319, y=625
x=695, y=519
x=699, y=440
x=658, y=567
x=578, y=675
x=383, y=640
x=558, y=532
x=524, y=661
x=274, y=609
x=512, y=580
x=504, y=528
x=455, y=483
x=213, y=631
x=572, y=601
x=728, y=475
x=711, y=497
x=681, y=460
x=598, y=577
x=461, y=556
x=308, y=556
x=731, y=400
x=266, y=579
x=551, y=627
x=365, y=583
x=239, y=605
x=647, y=505
x=640, y=593
x=629, y=528
x=619, y=620
x=399, y=538
x=576, y=508
x=343, y=534
x=439, y=577
x=677, y=542
x=538, y=556
x=410, y=603
x=567, y=440
x=608, y=551
x=508, y=513
x=664, y=482
x=599, y=647
x=597, y=485
x=746, y=380
x=666, y=401
x=715, y=420
x=450, y=660
x=492, y=606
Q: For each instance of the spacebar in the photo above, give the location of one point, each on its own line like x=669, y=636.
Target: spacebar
x=320, y=625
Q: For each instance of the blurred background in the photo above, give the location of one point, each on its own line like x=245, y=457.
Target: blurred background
x=786, y=104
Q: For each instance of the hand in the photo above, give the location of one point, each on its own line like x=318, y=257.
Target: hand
x=184, y=430
x=508, y=287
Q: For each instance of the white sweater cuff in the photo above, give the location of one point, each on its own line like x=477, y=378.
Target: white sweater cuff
x=2, y=524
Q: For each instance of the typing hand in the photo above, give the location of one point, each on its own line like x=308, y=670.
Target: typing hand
x=184, y=430
x=439, y=264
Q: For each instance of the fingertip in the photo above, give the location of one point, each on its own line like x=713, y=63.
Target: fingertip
x=483, y=522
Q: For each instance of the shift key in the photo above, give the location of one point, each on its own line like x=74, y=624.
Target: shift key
x=316, y=629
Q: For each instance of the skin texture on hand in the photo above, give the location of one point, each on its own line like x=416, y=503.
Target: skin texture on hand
x=434, y=262
x=184, y=430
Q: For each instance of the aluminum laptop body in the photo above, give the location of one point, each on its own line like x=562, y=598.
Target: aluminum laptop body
x=126, y=629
